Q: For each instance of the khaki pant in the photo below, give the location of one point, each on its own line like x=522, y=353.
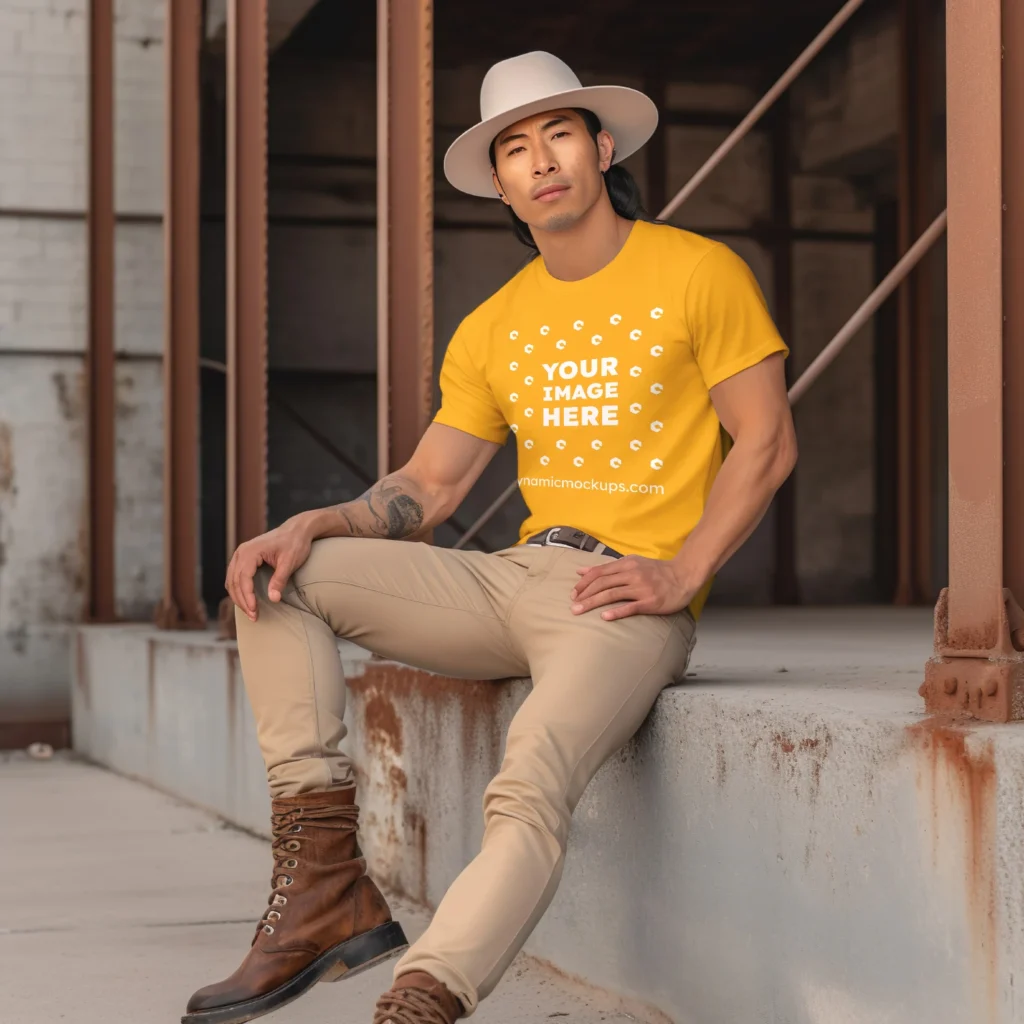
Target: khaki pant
x=479, y=616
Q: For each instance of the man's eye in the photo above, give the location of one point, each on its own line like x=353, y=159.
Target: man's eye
x=512, y=152
x=558, y=134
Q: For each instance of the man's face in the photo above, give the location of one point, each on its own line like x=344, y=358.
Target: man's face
x=548, y=168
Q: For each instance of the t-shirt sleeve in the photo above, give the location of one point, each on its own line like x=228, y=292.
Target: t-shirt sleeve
x=467, y=402
x=727, y=316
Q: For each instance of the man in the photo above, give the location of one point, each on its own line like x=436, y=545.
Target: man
x=614, y=357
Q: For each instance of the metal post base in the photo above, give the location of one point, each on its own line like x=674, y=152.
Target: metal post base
x=168, y=616
x=984, y=685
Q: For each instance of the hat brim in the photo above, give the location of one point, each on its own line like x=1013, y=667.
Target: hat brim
x=629, y=115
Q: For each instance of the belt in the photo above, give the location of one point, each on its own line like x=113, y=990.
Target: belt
x=569, y=537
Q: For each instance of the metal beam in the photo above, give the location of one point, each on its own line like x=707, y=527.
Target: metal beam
x=913, y=357
x=99, y=362
x=974, y=105
x=1013, y=298
x=181, y=606
x=978, y=668
x=405, y=236
x=785, y=581
x=246, y=270
x=246, y=240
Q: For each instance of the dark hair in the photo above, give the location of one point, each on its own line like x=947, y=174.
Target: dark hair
x=623, y=190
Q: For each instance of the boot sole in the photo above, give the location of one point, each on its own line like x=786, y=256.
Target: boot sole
x=345, y=960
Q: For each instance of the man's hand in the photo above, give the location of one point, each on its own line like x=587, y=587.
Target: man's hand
x=651, y=586
x=285, y=548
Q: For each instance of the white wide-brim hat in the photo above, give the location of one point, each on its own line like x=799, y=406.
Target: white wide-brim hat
x=530, y=84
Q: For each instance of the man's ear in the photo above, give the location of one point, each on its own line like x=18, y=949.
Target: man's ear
x=498, y=188
x=605, y=150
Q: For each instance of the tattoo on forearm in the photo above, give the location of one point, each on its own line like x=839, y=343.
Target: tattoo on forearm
x=385, y=510
x=348, y=520
x=405, y=515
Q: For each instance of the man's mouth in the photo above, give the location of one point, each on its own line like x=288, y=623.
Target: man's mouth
x=550, y=193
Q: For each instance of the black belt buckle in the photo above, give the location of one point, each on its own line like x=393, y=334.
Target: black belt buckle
x=570, y=537
x=565, y=537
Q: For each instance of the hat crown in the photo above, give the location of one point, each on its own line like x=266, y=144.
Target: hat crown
x=520, y=80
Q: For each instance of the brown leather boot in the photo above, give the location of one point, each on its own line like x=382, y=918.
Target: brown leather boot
x=325, y=919
x=417, y=998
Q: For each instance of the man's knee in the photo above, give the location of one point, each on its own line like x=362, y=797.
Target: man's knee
x=539, y=804
x=264, y=606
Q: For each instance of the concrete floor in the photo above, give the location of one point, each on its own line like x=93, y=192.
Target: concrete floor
x=118, y=901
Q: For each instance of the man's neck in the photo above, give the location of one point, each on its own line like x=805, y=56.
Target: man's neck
x=590, y=244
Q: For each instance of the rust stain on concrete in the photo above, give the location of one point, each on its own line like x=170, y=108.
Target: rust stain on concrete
x=383, y=683
x=799, y=760
x=787, y=746
x=151, y=689
x=721, y=765
x=789, y=754
x=416, y=828
x=6, y=458
x=384, y=694
x=6, y=477
x=958, y=786
x=82, y=670
x=399, y=781
x=382, y=723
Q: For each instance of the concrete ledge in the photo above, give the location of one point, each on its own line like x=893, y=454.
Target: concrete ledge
x=787, y=840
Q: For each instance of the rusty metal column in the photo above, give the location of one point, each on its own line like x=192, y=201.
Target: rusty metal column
x=246, y=271
x=1013, y=298
x=978, y=669
x=99, y=360
x=181, y=607
x=923, y=211
x=405, y=227
x=785, y=583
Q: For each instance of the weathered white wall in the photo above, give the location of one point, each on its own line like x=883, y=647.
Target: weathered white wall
x=43, y=167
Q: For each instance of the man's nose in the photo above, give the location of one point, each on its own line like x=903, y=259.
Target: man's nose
x=544, y=164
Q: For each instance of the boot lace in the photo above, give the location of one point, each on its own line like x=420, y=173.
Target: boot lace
x=409, y=1006
x=289, y=830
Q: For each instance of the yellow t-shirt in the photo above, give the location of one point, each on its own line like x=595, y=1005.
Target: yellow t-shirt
x=605, y=381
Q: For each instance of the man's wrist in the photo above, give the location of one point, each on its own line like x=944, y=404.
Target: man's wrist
x=691, y=570
x=315, y=523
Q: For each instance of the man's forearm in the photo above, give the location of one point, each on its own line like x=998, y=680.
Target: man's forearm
x=395, y=508
x=740, y=496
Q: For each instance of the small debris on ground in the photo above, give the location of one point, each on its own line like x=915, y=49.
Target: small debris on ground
x=40, y=751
